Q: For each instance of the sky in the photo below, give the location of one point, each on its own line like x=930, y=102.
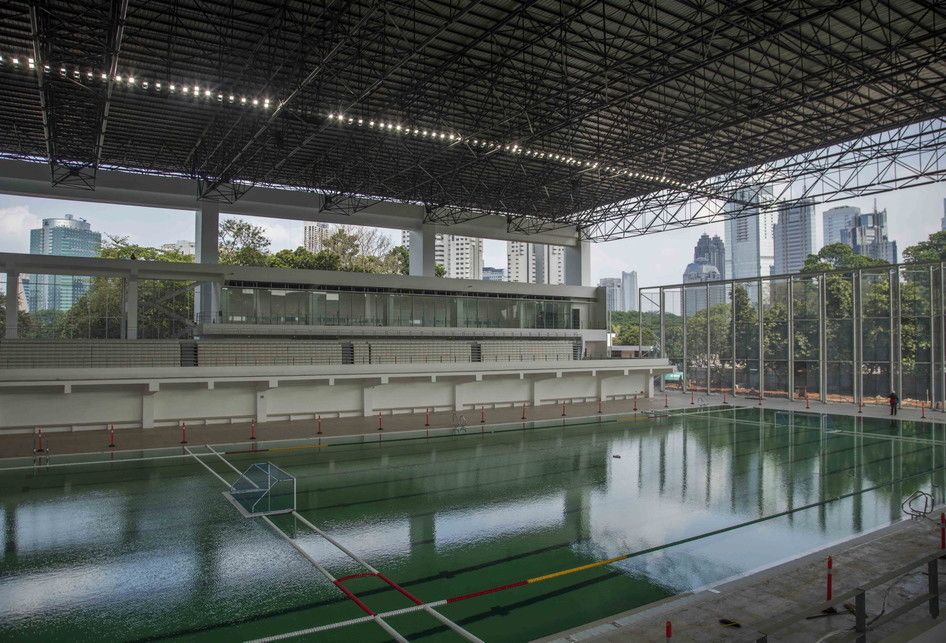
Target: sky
x=912, y=215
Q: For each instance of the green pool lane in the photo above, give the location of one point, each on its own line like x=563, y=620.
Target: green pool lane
x=151, y=550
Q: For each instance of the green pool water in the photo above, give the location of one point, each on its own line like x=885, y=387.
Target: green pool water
x=151, y=549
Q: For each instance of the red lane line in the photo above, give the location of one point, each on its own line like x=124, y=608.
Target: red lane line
x=487, y=591
x=403, y=591
x=367, y=610
x=344, y=578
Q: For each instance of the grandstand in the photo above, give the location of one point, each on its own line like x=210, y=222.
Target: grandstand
x=546, y=122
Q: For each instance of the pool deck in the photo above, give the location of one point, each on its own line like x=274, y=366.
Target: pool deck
x=88, y=441
x=759, y=597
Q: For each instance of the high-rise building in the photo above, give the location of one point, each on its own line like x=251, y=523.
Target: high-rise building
x=461, y=257
x=65, y=236
x=714, y=250
x=749, y=248
x=629, y=290
x=868, y=237
x=494, y=274
x=613, y=295
x=701, y=271
x=535, y=263
x=837, y=221
x=181, y=246
x=314, y=235
x=794, y=236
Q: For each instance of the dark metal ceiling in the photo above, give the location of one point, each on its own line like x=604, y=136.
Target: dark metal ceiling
x=548, y=112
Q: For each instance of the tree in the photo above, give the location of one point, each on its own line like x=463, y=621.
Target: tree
x=838, y=256
x=24, y=322
x=240, y=242
x=933, y=249
x=302, y=259
x=402, y=258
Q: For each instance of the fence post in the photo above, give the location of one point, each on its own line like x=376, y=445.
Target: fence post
x=860, y=616
x=932, y=569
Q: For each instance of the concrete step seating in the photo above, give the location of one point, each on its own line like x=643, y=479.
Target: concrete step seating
x=419, y=351
x=512, y=350
x=268, y=352
x=114, y=353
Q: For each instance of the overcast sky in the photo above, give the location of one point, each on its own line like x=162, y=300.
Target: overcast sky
x=913, y=214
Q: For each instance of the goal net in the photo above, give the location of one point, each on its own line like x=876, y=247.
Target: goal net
x=262, y=490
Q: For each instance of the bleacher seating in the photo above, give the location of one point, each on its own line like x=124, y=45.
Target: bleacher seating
x=406, y=351
x=276, y=352
x=517, y=350
x=268, y=352
x=111, y=353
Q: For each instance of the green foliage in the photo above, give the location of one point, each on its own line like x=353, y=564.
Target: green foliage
x=402, y=259
x=24, y=323
x=933, y=249
x=838, y=256
x=440, y=270
x=242, y=243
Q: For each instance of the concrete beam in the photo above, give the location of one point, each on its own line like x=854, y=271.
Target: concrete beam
x=175, y=193
x=206, y=245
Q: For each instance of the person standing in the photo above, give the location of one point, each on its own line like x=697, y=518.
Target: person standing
x=894, y=400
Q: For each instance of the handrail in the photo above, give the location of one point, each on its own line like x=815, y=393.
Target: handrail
x=859, y=595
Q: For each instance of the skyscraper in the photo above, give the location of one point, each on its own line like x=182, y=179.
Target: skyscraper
x=714, y=250
x=494, y=274
x=535, y=263
x=68, y=237
x=749, y=248
x=613, y=295
x=461, y=257
x=794, y=236
x=701, y=271
x=314, y=235
x=837, y=221
x=868, y=237
x=629, y=290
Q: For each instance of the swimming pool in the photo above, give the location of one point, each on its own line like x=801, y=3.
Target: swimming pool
x=149, y=549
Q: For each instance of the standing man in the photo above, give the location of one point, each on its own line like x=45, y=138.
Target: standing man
x=893, y=402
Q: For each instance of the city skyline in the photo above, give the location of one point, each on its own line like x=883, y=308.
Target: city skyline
x=913, y=214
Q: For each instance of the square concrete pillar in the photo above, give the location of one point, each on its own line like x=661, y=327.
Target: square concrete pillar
x=578, y=264
x=367, y=401
x=12, y=304
x=206, y=245
x=423, y=242
x=131, y=308
x=262, y=406
x=147, y=410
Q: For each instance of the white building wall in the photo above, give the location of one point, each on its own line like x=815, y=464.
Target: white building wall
x=750, y=251
x=94, y=401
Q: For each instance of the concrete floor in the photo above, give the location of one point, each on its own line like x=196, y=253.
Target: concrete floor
x=760, y=597
x=86, y=441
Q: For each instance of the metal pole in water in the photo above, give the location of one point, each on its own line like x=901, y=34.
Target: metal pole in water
x=830, y=581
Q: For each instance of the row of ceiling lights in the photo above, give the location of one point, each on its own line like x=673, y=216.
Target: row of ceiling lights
x=447, y=137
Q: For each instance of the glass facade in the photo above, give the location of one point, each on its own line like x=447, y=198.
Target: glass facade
x=260, y=305
x=844, y=336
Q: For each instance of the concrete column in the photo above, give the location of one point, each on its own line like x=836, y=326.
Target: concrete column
x=147, y=410
x=206, y=236
x=578, y=264
x=422, y=252
x=12, y=303
x=457, y=398
x=535, y=392
x=601, y=394
x=131, y=308
x=367, y=400
x=262, y=406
